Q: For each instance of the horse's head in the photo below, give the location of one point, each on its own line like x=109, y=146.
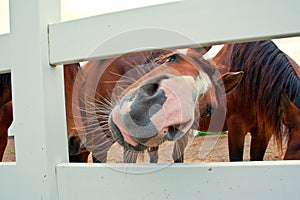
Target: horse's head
x=164, y=103
x=291, y=119
x=290, y=113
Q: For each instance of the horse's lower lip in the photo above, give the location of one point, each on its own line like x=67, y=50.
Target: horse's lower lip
x=154, y=142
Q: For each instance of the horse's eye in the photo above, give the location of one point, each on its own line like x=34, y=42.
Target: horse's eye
x=172, y=58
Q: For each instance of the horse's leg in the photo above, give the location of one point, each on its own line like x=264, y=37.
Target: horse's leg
x=293, y=146
x=3, y=140
x=236, y=138
x=179, y=147
x=6, y=118
x=129, y=156
x=153, y=154
x=259, y=144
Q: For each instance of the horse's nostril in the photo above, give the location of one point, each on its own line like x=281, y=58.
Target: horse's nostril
x=150, y=88
x=172, y=132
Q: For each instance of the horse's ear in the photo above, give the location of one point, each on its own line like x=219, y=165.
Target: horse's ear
x=198, y=51
x=231, y=80
x=207, y=48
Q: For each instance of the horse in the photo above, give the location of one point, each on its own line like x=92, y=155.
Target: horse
x=119, y=66
x=254, y=106
x=291, y=118
x=77, y=151
x=141, y=106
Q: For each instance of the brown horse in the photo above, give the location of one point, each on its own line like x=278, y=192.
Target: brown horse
x=72, y=72
x=77, y=152
x=254, y=105
x=291, y=118
x=156, y=101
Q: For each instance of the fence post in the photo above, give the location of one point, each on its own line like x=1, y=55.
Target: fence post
x=39, y=117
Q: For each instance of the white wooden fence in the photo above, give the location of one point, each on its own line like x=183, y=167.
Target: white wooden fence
x=33, y=48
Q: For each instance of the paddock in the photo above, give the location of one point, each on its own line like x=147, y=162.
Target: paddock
x=38, y=44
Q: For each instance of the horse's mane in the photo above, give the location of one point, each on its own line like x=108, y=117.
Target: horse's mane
x=267, y=73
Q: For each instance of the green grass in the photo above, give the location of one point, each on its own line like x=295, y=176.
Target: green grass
x=202, y=133
x=10, y=150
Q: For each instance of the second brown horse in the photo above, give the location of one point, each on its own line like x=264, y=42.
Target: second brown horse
x=254, y=106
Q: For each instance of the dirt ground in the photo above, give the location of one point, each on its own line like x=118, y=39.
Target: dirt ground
x=202, y=149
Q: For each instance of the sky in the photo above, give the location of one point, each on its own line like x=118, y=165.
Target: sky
x=74, y=9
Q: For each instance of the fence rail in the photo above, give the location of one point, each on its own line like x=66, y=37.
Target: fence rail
x=255, y=180
x=202, y=21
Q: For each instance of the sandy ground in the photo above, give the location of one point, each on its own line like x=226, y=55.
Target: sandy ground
x=202, y=149
x=9, y=154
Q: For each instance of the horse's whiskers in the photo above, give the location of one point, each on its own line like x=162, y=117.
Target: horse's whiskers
x=123, y=76
x=99, y=142
x=89, y=126
x=97, y=129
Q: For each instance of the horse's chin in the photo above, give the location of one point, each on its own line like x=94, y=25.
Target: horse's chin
x=116, y=133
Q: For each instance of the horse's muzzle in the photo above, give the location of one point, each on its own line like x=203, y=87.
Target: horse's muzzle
x=160, y=109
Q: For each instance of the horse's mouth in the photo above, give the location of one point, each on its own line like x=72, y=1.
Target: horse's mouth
x=137, y=144
x=116, y=133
